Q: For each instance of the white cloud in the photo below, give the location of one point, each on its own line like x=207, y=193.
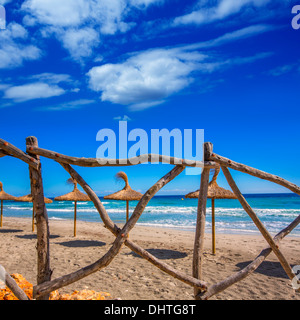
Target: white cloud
x=146, y=77
x=3, y=2
x=15, y=47
x=78, y=24
x=203, y=14
x=232, y=36
x=71, y=105
x=56, y=12
x=145, y=105
x=79, y=42
x=144, y=3
x=37, y=90
x=278, y=71
x=53, y=78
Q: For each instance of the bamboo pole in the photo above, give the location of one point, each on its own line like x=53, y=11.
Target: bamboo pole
x=287, y=268
x=43, y=248
x=213, y=226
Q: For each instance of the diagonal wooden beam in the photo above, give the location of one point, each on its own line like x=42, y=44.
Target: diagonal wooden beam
x=225, y=162
x=108, y=223
x=287, y=268
x=121, y=238
x=17, y=153
x=250, y=268
x=3, y=153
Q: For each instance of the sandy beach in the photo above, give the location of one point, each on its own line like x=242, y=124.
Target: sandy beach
x=130, y=277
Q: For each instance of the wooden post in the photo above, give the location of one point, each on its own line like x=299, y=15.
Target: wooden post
x=127, y=210
x=1, y=213
x=32, y=218
x=201, y=216
x=75, y=218
x=43, y=256
x=213, y=226
x=287, y=268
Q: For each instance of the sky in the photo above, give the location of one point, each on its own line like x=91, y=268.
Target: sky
x=71, y=68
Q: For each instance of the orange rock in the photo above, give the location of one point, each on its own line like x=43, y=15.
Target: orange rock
x=6, y=294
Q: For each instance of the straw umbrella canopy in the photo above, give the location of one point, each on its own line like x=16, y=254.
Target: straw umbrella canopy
x=29, y=198
x=126, y=194
x=214, y=192
x=4, y=197
x=75, y=196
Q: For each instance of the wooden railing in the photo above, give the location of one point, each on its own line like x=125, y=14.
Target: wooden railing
x=45, y=285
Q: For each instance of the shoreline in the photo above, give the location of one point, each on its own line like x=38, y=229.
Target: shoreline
x=160, y=226
x=129, y=277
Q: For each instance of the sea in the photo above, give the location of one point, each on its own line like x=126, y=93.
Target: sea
x=275, y=211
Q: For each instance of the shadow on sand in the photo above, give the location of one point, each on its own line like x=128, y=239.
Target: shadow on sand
x=268, y=268
x=82, y=243
x=163, y=254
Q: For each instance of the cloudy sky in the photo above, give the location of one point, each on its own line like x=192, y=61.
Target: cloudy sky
x=231, y=67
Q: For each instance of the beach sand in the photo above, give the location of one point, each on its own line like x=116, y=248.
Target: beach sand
x=130, y=277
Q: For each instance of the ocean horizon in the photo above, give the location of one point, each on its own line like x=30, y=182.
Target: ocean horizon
x=275, y=210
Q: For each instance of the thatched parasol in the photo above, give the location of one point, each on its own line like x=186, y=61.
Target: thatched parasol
x=28, y=198
x=75, y=196
x=4, y=196
x=214, y=192
x=127, y=194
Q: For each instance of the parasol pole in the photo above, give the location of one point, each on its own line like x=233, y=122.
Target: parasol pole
x=33, y=218
x=127, y=210
x=1, y=213
x=75, y=215
x=213, y=226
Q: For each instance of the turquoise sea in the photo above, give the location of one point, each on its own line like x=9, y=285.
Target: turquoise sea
x=276, y=211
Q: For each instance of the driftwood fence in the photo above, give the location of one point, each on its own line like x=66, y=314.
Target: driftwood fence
x=202, y=290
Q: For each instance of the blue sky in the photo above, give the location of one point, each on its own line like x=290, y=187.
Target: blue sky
x=70, y=68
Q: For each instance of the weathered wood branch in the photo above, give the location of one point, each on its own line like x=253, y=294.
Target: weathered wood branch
x=254, y=172
x=200, y=228
x=201, y=217
x=121, y=237
x=242, y=274
x=100, y=162
x=47, y=287
x=12, y=285
x=3, y=153
x=287, y=268
x=11, y=150
x=43, y=248
x=108, y=223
